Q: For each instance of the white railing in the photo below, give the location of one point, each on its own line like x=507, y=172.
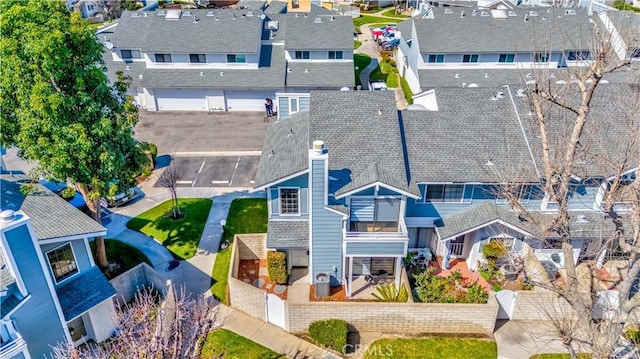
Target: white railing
x=15, y=342
x=400, y=235
x=456, y=249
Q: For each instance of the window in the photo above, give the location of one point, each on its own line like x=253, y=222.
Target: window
x=302, y=55
x=335, y=55
x=293, y=105
x=238, y=59
x=62, y=262
x=435, y=59
x=130, y=54
x=90, y=7
x=635, y=53
x=166, y=58
x=375, y=215
x=289, y=201
x=578, y=55
x=524, y=192
x=541, y=57
x=197, y=58
x=469, y=58
x=444, y=192
x=507, y=58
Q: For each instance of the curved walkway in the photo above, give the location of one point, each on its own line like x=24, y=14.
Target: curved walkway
x=365, y=75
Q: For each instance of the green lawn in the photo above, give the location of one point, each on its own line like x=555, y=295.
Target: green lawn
x=356, y=44
x=220, y=275
x=246, y=215
x=360, y=61
x=123, y=254
x=180, y=236
x=387, y=73
x=432, y=348
x=407, y=90
x=222, y=343
x=392, y=13
x=560, y=356
x=365, y=19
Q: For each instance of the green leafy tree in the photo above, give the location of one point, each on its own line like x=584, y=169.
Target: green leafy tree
x=58, y=106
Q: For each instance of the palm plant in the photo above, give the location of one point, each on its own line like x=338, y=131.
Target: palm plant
x=389, y=293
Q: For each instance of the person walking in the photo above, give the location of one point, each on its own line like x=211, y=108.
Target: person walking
x=268, y=105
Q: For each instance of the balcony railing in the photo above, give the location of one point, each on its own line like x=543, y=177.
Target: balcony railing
x=400, y=235
x=14, y=343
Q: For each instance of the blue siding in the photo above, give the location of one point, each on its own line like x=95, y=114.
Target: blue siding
x=304, y=204
x=387, y=192
x=301, y=181
x=37, y=319
x=365, y=192
x=582, y=197
x=362, y=210
x=275, y=208
x=376, y=248
x=416, y=208
x=18, y=356
x=326, y=227
x=79, y=250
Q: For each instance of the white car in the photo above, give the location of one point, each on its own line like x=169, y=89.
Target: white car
x=377, y=86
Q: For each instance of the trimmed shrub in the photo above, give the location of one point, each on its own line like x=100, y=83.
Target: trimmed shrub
x=151, y=148
x=331, y=333
x=277, y=267
x=492, y=251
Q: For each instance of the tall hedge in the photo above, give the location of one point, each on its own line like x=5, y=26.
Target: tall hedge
x=277, y=267
x=331, y=333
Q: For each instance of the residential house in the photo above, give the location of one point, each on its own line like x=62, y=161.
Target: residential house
x=51, y=290
x=510, y=43
x=230, y=60
x=353, y=184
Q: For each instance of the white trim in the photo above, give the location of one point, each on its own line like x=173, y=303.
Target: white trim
x=281, y=214
x=275, y=182
x=499, y=221
x=13, y=266
x=48, y=279
x=336, y=211
x=75, y=261
x=269, y=203
x=623, y=173
x=71, y=238
x=89, y=253
x=310, y=207
x=378, y=184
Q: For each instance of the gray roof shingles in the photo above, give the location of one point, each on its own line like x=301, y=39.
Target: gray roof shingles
x=321, y=74
x=502, y=35
x=288, y=234
x=51, y=216
x=84, y=292
x=319, y=32
x=285, y=149
x=210, y=34
x=469, y=129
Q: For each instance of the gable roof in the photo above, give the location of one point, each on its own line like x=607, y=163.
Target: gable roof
x=285, y=149
x=511, y=33
x=320, y=74
x=477, y=216
x=468, y=130
x=209, y=34
x=51, y=216
x=288, y=234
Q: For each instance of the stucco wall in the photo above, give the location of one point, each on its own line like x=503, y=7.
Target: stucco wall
x=141, y=276
x=411, y=318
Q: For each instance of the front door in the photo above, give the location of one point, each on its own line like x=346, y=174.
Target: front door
x=77, y=330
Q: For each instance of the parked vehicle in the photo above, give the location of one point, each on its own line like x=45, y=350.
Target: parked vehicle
x=377, y=86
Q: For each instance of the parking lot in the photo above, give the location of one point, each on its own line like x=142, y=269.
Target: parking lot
x=216, y=171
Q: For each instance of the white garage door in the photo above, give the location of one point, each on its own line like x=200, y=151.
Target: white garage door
x=247, y=100
x=181, y=100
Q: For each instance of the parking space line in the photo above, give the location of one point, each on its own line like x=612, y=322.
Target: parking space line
x=219, y=182
x=184, y=182
x=199, y=171
x=234, y=171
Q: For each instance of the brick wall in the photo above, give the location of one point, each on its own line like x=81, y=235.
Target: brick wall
x=398, y=317
x=252, y=246
x=141, y=276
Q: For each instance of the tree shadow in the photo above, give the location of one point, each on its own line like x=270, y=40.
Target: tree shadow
x=162, y=161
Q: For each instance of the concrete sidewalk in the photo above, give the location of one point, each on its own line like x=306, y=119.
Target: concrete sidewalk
x=522, y=339
x=270, y=336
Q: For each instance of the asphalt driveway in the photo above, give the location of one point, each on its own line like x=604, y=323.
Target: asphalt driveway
x=176, y=132
x=216, y=171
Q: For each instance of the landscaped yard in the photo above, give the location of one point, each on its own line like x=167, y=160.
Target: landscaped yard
x=387, y=73
x=360, y=61
x=123, y=255
x=246, y=215
x=392, y=13
x=180, y=236
x=356, y=44
x=408, y=95
x=357, y=22
x=432, y=348
x=222, y=343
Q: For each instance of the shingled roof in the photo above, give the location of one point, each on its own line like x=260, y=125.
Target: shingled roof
x=51, y=216
x=84, y=292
